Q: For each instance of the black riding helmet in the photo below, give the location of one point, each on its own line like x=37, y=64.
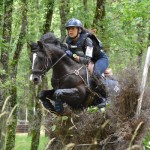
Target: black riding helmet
x=74, y=23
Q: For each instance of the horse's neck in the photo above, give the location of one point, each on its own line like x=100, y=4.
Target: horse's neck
x=64, y=67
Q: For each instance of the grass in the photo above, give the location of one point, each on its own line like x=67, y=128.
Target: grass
x=146, y=142
x=23, y=142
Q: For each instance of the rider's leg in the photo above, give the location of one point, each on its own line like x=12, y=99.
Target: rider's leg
x=99, y=68
x=101, y=65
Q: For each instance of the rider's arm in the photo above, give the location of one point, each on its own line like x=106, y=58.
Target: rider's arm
x=88, y=51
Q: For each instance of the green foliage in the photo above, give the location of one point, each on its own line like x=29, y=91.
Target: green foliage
x=58, y=121
x=93, y=109
x=146, y=142
x=126, y=22
x=77, y=11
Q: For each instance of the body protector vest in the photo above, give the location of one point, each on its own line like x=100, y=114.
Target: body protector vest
x=79, y=47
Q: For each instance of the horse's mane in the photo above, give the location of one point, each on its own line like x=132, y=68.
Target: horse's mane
x=51, y=38
x=48, y=38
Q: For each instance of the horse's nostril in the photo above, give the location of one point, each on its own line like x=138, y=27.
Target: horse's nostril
x=35, y=79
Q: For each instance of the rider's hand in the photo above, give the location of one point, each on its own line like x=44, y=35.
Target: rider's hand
x=69, y=53
x=76, y=57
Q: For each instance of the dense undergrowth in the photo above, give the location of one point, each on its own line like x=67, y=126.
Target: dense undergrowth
x=116, y=128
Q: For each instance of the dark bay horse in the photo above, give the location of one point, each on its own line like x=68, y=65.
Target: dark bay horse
x=70, y=80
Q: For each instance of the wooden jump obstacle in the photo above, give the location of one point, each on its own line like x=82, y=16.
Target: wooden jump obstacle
x=22, y=126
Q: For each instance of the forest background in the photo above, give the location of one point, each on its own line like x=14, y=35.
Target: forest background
x=123, y=26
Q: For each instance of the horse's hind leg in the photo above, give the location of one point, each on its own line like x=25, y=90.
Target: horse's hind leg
x=45, y=97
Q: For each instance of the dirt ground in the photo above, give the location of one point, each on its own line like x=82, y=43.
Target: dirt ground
x=116, y=128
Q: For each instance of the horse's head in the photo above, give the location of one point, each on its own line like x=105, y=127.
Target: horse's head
x=40, y=62
x=48, y=53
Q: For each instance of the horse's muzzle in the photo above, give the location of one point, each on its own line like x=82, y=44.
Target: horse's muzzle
x=35, y=79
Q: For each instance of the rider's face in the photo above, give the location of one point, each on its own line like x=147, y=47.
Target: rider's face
x=72, y=31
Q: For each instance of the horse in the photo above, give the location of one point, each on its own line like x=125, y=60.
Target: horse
x=71, y=82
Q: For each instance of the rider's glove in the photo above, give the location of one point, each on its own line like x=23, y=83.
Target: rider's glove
x=69, y=53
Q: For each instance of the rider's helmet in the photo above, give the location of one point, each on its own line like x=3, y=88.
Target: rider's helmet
x=74, y=23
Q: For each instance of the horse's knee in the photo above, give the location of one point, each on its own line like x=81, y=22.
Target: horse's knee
x=58, y=93
x=41, y=95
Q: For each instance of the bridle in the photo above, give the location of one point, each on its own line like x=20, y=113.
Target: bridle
x=46, y=66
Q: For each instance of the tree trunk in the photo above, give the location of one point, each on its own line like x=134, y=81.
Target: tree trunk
x=1, y=18
x=12, y=121
x=85, y=12
x=36, y=123
x=98, y=21
x=30, y=106
x=6, y=36
x=48, y=17
x=99, y=14
x=35, y=119
x=63, y=10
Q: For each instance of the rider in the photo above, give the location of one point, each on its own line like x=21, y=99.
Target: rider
x=84, y=52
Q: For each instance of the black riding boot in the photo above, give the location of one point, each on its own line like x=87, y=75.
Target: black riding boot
x=102, y=91
x=100, y=86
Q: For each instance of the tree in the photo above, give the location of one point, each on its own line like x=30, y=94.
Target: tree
x=12, y=122
x=63, y=10
x=48, y=17
x=85, y=11
x=99, y=22
x=4, y=60
x=99, y=14
x=37, y=117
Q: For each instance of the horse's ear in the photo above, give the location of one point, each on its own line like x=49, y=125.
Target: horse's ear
x=40, y=44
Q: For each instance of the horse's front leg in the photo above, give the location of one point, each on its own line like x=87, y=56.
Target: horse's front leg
x=73, y=97
x=45, y=96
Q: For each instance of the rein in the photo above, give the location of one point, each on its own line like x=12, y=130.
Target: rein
x=59, y=60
